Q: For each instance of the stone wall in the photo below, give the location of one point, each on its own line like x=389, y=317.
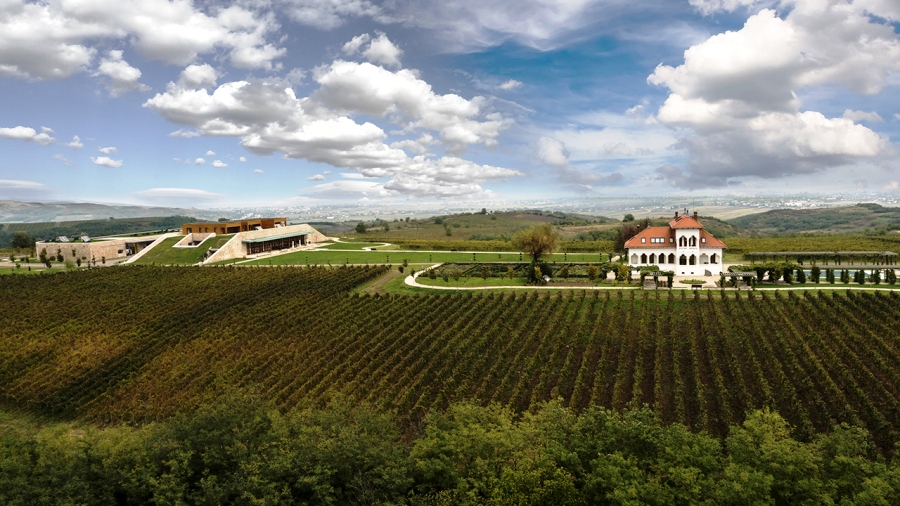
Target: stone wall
x=85, y=250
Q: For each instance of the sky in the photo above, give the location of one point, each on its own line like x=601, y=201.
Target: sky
x=307, y=102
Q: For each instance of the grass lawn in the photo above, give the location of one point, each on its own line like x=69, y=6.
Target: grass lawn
x=164, y=254
x=356, y=246
x=34, y=270
x=415, y=257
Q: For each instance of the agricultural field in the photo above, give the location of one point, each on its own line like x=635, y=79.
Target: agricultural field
x=137, y=344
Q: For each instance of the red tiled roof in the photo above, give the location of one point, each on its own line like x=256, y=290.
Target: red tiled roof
x=685, y=221
x=711, y=242
x=647, y=233
x=669, y=232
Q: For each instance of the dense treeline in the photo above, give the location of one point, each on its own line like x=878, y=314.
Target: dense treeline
x=138, y=344
x=241, y=451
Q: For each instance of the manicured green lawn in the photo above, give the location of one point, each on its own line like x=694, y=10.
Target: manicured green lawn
x=356, y=246
x=415, y=257
x=164, y=254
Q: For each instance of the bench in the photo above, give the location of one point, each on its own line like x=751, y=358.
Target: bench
x=696, y=287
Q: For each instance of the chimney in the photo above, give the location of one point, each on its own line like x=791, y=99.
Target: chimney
x=695, y=215
x=676, y=215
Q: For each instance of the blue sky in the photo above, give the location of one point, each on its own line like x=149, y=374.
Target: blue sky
x=296, y=102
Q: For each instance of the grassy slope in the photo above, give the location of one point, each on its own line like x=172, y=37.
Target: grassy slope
x=165, y=254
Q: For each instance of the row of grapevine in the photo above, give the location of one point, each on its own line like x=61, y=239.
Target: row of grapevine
x=138, y=344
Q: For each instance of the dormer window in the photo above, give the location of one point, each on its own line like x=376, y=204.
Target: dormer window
x=703, y=240
x=643, y=240
x=671, y=239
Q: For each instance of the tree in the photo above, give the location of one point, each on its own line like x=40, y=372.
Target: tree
x=21, y=240
x=801, y=276
x=59, y=255
x=628, y=217
x=485, y=271
x=623, y=273
x=815, y=273
x=483, y=210
x=564, y=272
x=360, y=228
x=510, y=273
x=628, y=231
x=536, y=241
x=387, y=227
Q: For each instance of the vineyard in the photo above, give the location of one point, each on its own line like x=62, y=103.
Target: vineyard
x=138, y=344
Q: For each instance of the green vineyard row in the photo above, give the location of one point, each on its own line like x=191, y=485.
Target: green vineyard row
x=141, y=343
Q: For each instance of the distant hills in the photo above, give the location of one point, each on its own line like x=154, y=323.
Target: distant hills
x=861, y=218
x=32, y=212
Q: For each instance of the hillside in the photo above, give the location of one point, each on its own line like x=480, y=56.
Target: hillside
x=861, y=218
x=12, y=211
x=94, y=228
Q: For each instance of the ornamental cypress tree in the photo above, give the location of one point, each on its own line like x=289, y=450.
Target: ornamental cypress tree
x=801, y=276
x=815, y=273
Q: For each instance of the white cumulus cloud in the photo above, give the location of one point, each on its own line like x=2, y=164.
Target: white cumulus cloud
x=106, y=162
x=199, y=161
x=76, y=143
x=243, y=159
x=735, y=93
x=108, y=150
x=510, y=85
x=317, y=177
x=219, y=164
x=198, y=76
x=379, y=50
x=27, y=134
x=258, y=171
x=268, y=117
x=55, y=39
x=210, y=153
x=118, y=75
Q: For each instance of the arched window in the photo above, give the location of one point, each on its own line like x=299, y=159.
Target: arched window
x=693, y=260
x=713, y=259
x=643, y=258
x=652, y=258
x=682, y=260
x=634, y=259
x=671, y=258
x=704, y=259
x=693, y=241
x=682, y=242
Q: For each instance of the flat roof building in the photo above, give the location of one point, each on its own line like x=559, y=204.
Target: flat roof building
x=233, y=227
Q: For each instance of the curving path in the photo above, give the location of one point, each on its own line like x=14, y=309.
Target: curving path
x=411, y=281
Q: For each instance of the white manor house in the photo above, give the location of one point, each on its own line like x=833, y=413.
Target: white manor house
x=683, y=247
